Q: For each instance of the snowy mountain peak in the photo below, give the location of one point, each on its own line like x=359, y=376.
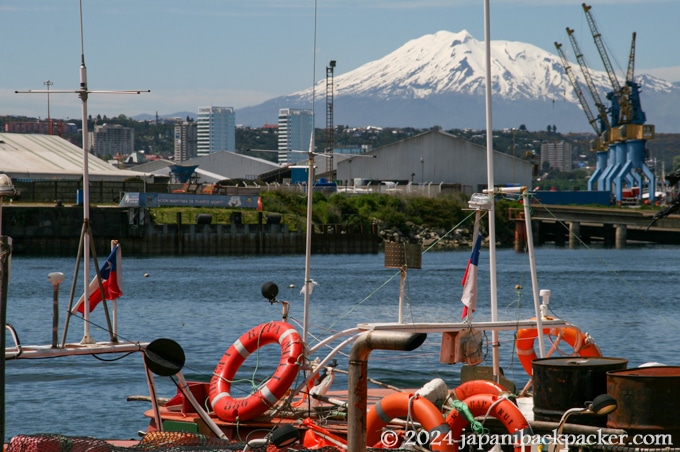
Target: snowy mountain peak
x=447, y=62
x=440, y=78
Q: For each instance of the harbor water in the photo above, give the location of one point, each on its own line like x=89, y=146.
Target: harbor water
x=626, y=300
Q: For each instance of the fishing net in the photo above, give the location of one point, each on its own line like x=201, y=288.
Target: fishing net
x=152, y=441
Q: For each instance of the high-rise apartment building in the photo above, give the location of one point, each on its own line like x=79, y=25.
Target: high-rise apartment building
x=113, y=139
x=557, y=154
x=185, y=141
x=216, y=130
x=295, y=133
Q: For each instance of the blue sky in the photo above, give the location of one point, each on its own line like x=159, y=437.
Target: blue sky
x=239, y=53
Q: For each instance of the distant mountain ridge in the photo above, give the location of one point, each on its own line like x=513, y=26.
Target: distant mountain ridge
x=439, y=80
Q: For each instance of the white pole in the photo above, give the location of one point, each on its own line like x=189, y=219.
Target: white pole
x=490, y=182
x=534, y=276
x=310, y=196
x=308, y=241
x=87, y=339
x=402, y=289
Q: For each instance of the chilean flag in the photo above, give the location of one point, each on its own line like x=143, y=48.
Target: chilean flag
x=112, y=281
x=469, y=282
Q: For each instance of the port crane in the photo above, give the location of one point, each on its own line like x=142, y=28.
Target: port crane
x=628, y=129
x=605, y=132
x=605, y=125
x=598, y=145
x=617, y=96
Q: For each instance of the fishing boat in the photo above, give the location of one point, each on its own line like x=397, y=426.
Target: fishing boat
x=296, y=405
x=299, y=391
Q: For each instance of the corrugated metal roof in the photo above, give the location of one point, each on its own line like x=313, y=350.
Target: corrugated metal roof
x=153, y=166
x=229, y=165
x=40, y=157
x=215, y=167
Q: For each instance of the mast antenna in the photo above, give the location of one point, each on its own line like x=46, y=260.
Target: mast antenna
x=86, y=246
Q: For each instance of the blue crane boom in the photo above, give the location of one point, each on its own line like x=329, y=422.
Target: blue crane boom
x=618, y=93
x=579, y=93
x=630, y=73
x=605, y=125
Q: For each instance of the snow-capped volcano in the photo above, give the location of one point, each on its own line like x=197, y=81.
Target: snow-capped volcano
x=439, y=79
x=447, y=62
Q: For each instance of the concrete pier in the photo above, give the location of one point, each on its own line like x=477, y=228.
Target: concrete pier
x=614, y=227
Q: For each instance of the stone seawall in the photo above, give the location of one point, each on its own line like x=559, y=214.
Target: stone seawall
x=57, y=231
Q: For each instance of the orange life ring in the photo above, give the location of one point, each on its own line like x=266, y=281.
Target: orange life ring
x=579, y=341
x=229, y=408
x=474, y=387
x=424, y=411
x=500, y=408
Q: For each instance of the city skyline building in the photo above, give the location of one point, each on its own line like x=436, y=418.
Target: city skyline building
x=113, y=139
x=295, y=133
x=557, y=154
x=186, y=144
x=215, y=130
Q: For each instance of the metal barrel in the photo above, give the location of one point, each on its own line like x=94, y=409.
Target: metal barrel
x=648, y=400
x=570, y=382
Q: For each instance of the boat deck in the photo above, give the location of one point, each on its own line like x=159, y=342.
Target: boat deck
x=183, y=417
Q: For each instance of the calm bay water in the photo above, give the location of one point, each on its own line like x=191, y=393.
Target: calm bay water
x=626, y=299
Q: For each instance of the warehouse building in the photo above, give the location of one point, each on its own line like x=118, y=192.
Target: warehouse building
x=37, y=157
x=434, y=157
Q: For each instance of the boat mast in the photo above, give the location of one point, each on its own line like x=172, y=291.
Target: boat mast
x=86, y=246
x=490, y=185
x=492, y=218
x=83, y=93
x=310, y=184
x=308, y=240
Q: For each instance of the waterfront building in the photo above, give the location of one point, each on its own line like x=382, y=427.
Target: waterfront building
x=428, y=160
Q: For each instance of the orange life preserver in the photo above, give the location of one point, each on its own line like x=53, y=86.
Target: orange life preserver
x=581, y=342
x=500, y=408
x=229, y=408
x=474, y=387
x=424, y=411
